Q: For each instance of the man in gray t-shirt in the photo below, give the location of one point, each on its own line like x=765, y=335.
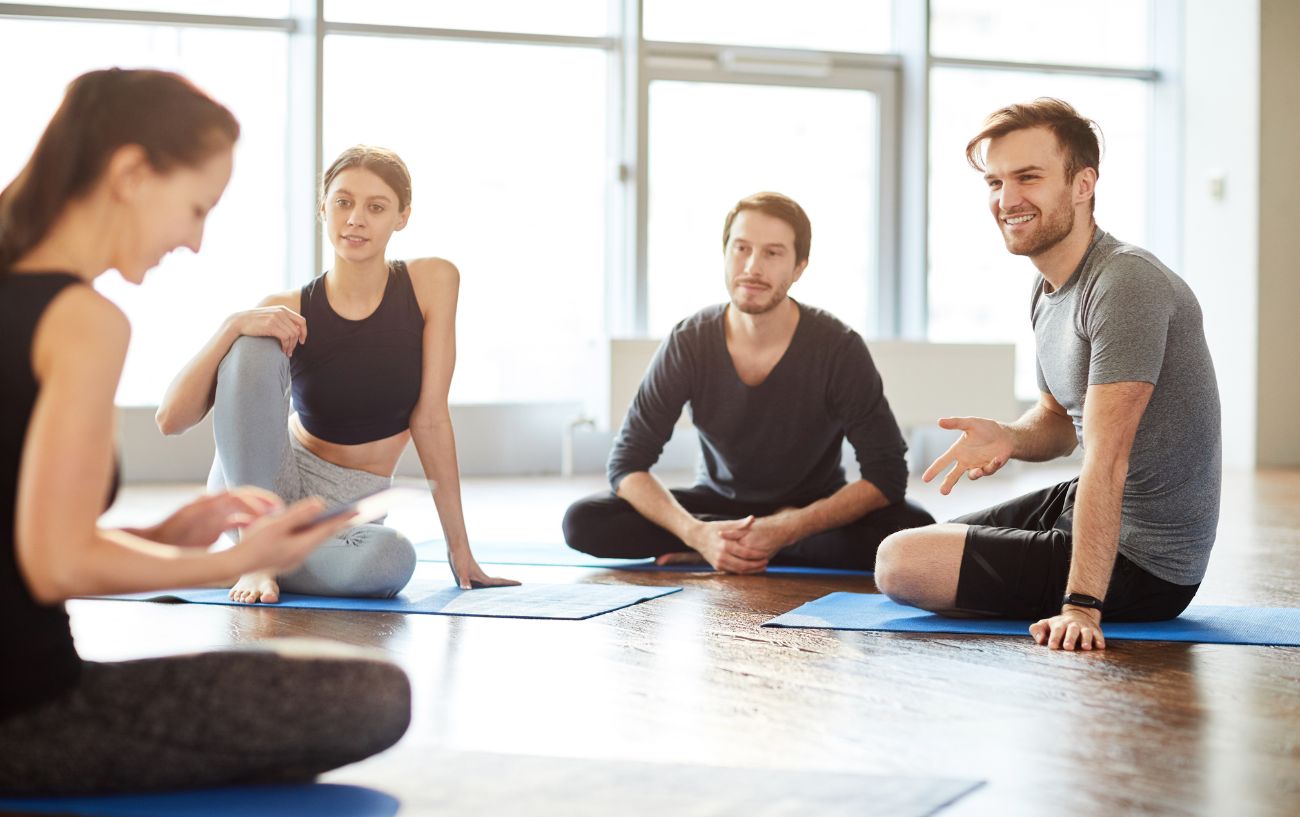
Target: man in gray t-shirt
x=1124, y=373
x=774, y=388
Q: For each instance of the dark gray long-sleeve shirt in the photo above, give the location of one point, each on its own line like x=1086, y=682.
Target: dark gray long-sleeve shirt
x=776, y=442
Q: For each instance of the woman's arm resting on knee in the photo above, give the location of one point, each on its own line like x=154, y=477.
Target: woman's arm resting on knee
x=67, y=466
x=190, y=395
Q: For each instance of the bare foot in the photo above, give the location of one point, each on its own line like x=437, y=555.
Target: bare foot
x=686, y=557
x=254, y=587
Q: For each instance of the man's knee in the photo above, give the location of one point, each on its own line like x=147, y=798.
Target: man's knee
x=580, y=523
x=900, y=566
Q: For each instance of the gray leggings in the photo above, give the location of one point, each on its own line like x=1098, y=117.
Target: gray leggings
x=250, y=417
x=220, y=718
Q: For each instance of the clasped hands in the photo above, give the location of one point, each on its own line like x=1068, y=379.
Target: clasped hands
x=737, y=545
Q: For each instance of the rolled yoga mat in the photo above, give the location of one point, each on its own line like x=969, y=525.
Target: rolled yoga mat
x=1204, y=624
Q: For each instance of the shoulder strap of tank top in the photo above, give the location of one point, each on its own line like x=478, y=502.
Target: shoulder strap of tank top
x=305, y=294
x=407, y=287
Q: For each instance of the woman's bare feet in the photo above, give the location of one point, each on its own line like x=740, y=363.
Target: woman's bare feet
x=256, y=587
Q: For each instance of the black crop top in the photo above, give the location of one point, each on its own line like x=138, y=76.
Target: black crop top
x=38, y=661
x=358, y=381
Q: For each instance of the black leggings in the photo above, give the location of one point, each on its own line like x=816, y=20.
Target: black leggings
x=604, y=525
x=241, y=716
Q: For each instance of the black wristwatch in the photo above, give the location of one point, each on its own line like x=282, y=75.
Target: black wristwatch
x=1082, y=600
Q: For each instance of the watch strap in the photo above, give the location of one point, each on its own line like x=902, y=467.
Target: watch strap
x=1082, y=600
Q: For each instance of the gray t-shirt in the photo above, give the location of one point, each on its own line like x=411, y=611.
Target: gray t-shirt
x=1124, y=316
x=779, y=441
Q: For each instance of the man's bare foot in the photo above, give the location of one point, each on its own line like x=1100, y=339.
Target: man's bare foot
x=256, y=587
x=686, y=557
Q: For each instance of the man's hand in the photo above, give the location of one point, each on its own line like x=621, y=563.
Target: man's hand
x=1075, y=627
x=983, y=447
x=721, y=546
x=767, y=535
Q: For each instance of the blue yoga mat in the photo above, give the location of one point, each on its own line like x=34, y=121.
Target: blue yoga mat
x=549, y=554
x=308, y=800
x=1206, y=624
x=548, y=601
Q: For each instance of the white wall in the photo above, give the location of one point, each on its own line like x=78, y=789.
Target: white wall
x=1220, y=252
x=1242, y=247
x=1278, y=426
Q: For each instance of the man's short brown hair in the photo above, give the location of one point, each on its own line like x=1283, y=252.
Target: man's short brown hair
x=1077, y=136
x=777, y=206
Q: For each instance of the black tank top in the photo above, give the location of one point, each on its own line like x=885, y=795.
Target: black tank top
x=38, y=661
x=357, y=381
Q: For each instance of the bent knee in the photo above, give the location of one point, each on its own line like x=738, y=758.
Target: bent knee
x=578, y=523
x=389, y=705
x=379, y=708
x=251, y=354
x=905, y=566
x=368, y=561
x=389, y=555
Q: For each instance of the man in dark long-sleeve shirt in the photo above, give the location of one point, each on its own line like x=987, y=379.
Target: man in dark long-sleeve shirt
x=774, y=387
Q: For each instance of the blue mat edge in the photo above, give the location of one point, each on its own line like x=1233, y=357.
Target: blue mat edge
x=295, y=601
x=971, y=786
x=65, y=804
x=647, y=565
x=1117, y=631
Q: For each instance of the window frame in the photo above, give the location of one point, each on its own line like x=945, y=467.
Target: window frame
x=899, y=79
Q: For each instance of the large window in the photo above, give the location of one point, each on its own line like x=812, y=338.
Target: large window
x=578, y=171
x=243, y=256
x=575, y=17
x=827, y=25
x=712, y=143
x=509, y=184
x=243, y=8
x=977, y=292
x=1103, y=33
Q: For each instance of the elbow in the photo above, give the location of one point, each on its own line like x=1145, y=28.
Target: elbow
x=48, y=584
x=1110, y=465
x=425, y=427
x=170, y=421
x=166, y=422
x=618, y=480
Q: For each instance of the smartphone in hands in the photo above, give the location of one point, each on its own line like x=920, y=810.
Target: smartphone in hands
x=362, y=509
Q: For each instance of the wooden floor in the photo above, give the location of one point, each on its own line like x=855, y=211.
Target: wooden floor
x=1142, y=728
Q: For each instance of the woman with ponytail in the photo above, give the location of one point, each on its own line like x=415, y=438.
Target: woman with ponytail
x=125, y=172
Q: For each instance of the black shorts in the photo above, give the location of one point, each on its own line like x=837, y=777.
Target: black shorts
x=1016, y=563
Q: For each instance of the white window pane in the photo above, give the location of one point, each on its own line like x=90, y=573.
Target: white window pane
x=243, y=254
x=826, y=25
x=509, y=184
x=572, y=17
x=231, y=8
x=712, y=144
x=977, y=290
x=1101, y=32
